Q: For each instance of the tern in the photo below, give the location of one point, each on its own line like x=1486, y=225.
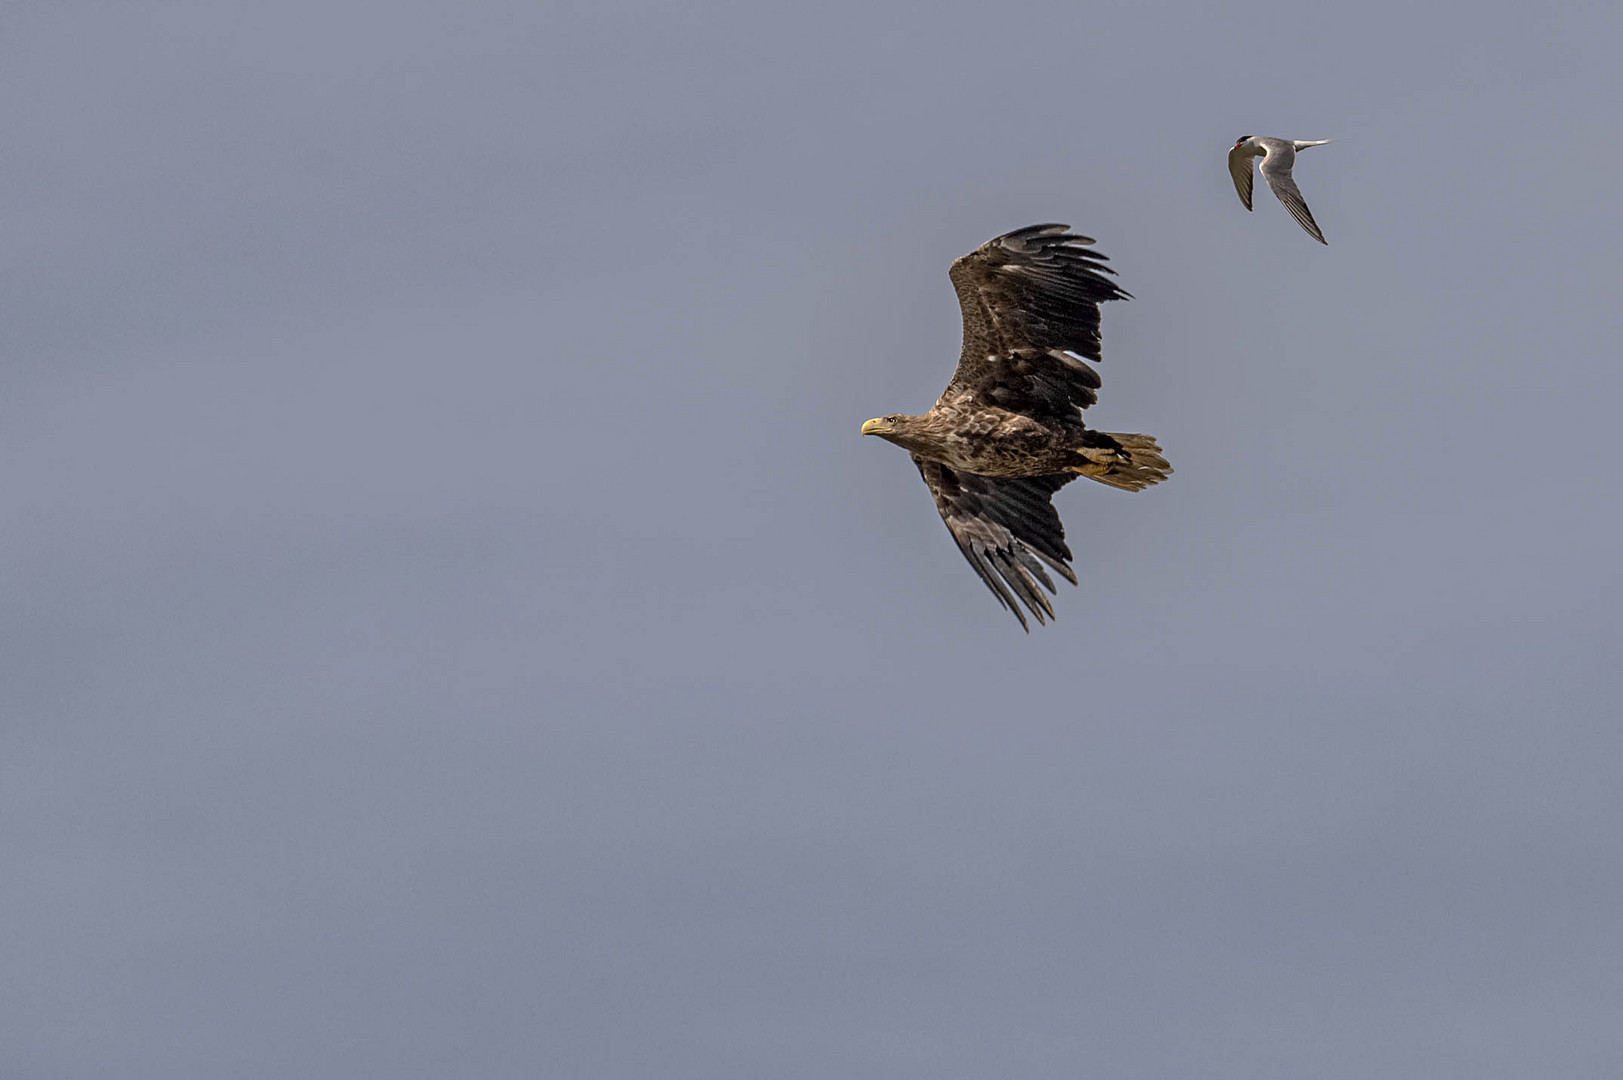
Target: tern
x=1278, y=155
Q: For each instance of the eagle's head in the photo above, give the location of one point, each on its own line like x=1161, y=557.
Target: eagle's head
x=898, y=428
x=908, y=432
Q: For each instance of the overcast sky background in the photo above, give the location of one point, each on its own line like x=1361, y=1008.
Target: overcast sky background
x=452, y=626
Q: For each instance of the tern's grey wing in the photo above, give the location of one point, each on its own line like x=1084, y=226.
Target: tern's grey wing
x=1276, y=169
x=1240, y=169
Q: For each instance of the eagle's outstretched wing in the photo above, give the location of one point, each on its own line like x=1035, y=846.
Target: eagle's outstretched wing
x=1004, y=525
x=1030, y=300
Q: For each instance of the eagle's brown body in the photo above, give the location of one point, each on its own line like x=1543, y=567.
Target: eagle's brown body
x=989, y=441
x=1008, y=432
x=999, y=442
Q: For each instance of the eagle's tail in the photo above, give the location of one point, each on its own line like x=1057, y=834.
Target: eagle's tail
x=1129, y=462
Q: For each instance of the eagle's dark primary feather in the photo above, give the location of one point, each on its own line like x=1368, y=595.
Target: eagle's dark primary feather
x=1030, y=298
x=999, y=522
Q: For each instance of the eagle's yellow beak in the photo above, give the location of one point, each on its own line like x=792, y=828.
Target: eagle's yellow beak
x=876, y=426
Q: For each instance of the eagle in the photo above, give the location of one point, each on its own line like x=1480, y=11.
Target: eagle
x=1007, y=432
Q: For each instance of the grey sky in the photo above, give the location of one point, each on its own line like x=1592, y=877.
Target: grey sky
x=452, y=625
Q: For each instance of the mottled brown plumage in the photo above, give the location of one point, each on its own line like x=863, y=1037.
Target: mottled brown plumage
x=1007, y=432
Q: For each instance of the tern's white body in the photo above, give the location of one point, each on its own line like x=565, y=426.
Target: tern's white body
x=1278, y=155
